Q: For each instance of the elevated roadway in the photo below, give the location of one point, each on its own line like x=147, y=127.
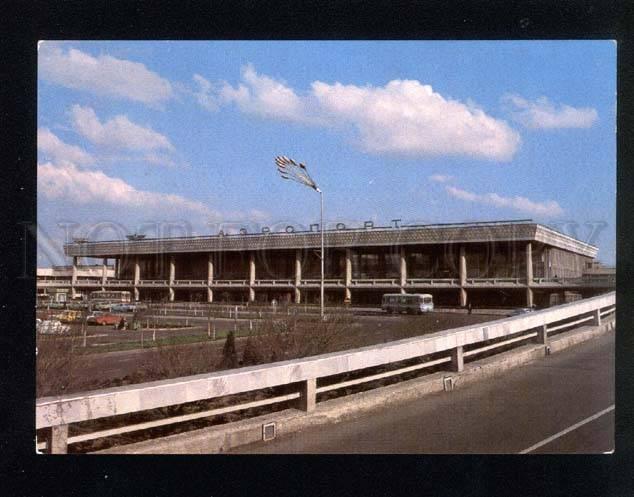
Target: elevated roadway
x=563, y=403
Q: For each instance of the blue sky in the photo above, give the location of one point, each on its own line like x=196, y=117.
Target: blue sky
x=177, y=137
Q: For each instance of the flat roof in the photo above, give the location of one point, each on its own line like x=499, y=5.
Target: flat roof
x=339, y=237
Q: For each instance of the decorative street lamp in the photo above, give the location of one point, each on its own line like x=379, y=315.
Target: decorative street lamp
x=289, y=169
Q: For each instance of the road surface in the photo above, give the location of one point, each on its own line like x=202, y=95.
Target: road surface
x=563, y=403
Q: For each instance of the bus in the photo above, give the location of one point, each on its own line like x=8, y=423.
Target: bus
x=411, y=303
x=104, y=299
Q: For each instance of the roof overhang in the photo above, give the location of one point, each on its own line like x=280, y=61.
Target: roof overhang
x=344, y=238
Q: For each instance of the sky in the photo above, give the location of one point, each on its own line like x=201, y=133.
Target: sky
x=174, y=138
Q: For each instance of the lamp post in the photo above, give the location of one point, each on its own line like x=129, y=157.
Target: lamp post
x=291, y=170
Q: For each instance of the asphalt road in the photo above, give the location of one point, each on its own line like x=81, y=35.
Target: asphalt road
x=562, y=403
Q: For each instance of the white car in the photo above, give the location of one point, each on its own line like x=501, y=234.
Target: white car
x=52, y=327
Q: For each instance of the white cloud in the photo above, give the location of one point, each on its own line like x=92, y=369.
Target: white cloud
x=102, y=75
x=158, y=159
x=206, y=93
x=547, y=209
x=265, y=97
x=403, y=117
x=440, y=178
x=542, y=114
x=407, y=117
x=118, y=132
x=69, y=183
x=55, y=149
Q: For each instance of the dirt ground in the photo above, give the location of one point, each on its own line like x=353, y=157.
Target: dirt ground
x=73, y=369
x=179, y=352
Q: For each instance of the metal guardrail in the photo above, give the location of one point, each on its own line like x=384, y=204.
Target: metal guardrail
x=375, y=282
x=229, y=283
x=433, y=281
x=153, y=283
x=119, y=283
x=58, y=412
x=608, y=280
x=58, y=282
x=88, y=282
x=282, y=282
x=495, y=281
x=197, y=283
x=311, y=282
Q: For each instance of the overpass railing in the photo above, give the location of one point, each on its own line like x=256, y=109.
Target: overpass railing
x=449, y=347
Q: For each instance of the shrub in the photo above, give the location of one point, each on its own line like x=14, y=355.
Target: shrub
x=252, y=353
x=56, y=366
x=229, y=354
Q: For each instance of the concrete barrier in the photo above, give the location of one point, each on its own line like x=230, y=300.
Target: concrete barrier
x=59, y=411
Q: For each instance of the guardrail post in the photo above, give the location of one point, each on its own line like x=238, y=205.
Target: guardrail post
x=308, y=395
x=57, y=442
x=457, y=359
x=597, y=317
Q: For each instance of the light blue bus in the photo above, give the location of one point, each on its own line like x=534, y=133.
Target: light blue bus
x=411, y=303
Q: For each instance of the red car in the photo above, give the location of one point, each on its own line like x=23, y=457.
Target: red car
x=104, y=319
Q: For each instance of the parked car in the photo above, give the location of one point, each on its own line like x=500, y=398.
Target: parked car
x=122, y=308
x=103, y=306
x=52, y=327
x=128, y=307
x=76, y=305
x=523, y=310
x=69, y=316
x=103, y=319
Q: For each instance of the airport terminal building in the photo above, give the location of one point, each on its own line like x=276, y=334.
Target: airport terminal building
x=505, y=263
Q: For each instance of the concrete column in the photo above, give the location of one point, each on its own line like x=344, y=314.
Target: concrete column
x=463, y=297
x=529, y=263
x=73, y=278
x=172, y=277
x=348, y=293
x=462, y=269
x=308, y=395
x=298, y=276
x=529, y=297
x=137, y=277
x=172, y=273
x=210, y=277
x=116, y=269
x=542, y=335
x=597, y=317
x=251, y=276
x=529, y=274
x=104, y=271
x=58, y=440
x=457, y=359
x=403, y=271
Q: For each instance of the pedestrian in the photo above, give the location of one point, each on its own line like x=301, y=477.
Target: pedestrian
x=469, y=307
